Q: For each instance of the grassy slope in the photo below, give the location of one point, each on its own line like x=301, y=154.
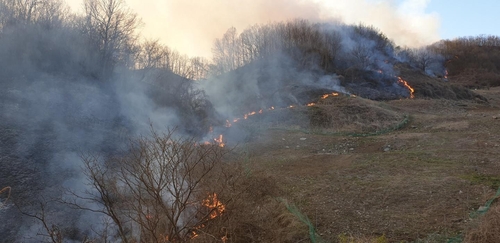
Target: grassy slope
x=433, y=172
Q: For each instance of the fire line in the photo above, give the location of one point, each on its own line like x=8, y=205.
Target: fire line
x=404, y=83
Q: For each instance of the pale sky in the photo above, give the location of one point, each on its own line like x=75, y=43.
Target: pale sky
x=467, y=17
x=191, y=26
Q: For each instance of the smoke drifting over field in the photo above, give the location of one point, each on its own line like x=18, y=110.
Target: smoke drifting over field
x=57, y=103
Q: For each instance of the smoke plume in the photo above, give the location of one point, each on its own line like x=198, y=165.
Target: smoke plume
x=192, y=26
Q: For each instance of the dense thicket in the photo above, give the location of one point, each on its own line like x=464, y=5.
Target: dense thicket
x=73, y=84
x=331, y=47
x=472, y=61
x=42, y=44
x=277, y=64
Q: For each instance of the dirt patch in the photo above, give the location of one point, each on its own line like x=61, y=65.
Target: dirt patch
x=461, y=125
x=320, y=164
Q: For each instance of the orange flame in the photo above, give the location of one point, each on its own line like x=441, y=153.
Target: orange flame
x=328, y=95
x=261, y=111
x=216, y=207
x=403, y=82
x=220, y=141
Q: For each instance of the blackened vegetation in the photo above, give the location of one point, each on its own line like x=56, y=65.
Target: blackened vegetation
x=428, y=87
x=169, y=90
x=279, y=64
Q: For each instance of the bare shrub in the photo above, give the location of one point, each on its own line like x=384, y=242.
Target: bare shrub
x=48, y=231
x=170, y=189
x=488, y=229
x=155, y=192
x=5, y=190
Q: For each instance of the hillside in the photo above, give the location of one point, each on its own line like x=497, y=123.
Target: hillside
x=472, y=62
x=419, y=183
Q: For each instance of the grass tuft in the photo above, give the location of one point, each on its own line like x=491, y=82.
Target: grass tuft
x=5, y=190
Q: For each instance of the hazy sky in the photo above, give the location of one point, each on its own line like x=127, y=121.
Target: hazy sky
x=191, y=26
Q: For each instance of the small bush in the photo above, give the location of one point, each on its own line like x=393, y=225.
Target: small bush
x=5, y=190
x=488, y=228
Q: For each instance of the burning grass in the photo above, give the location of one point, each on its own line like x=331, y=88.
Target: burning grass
x=423, y=86
x=332, y=113
x=405, y=83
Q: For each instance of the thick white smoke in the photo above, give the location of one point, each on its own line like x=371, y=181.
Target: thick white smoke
x=192, y=26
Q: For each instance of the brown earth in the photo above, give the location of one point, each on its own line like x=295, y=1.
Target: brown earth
x=416, y=184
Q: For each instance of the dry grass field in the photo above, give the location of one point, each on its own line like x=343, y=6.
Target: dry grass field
x=419, y=183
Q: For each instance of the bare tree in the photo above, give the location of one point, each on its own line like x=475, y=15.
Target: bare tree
x=111, y=28
x=332, y=42
x=227, y=52
x=151, y=55
x=180, y=65
x=47, y=13
x=307, y=43
x=361, y=56
x=199, y=68
x=49, y=231
x=156, y=193
x=427, y=60
x=249, y=44
x=422, y=58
